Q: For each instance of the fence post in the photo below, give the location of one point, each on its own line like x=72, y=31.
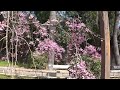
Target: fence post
x=105, y=44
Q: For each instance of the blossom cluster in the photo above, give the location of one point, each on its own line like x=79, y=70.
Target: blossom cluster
x=79, y=71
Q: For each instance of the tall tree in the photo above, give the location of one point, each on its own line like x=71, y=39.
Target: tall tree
x=53, y=22
x=52, y=30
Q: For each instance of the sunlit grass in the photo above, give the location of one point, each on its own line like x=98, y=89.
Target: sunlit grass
x=5, y=76
x=6, y=64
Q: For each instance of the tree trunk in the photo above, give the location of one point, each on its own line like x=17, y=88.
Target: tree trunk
x=52, y=30
x=97, y=18
x=115, y=41
x=7, y=52
x=53, y=22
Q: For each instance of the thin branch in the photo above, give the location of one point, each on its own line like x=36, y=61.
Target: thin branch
x=7, y=54
x=30, y=51
x=12, y=46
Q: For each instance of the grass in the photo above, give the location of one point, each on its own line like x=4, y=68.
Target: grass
x=20, y=77
x=5, y=76
x=4, y=63
x=15, y=77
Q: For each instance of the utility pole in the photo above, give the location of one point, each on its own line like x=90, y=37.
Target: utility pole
x=105, y=44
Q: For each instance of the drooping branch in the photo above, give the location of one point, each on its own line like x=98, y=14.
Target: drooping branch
x=7, y=52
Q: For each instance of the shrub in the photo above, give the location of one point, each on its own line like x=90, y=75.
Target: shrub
x=94, y=65
x=86, y=68
x=40, y=62
x=80, y=71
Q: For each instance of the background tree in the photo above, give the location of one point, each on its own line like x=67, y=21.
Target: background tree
x=53, y=20
x=115, y=37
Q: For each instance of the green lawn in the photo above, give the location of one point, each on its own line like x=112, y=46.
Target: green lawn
x=9, y=77
x=3, y=63
x=4, y=76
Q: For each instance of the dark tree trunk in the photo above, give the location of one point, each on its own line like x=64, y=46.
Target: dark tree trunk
x=115, y=41
x=97, y=18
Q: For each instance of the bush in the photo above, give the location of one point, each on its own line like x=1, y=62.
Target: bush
x=40, y=62
x=94, y=65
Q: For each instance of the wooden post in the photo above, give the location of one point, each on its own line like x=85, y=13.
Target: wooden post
x=105, y=44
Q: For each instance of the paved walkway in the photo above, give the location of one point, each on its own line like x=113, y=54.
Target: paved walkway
x=34, y=73
x=45, y=73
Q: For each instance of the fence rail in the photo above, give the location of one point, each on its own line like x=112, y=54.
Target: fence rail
x=115, y=74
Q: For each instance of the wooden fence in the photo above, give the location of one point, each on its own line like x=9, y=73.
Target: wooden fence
x=115, y=74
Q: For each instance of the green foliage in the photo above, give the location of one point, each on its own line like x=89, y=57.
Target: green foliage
x=111, y=15
x=96, y=68
x=62, y=36
x=40, y=62
x=88, y=17
x=71, y=13
x=91, y=19
x=93, y=65
x=42, y=16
